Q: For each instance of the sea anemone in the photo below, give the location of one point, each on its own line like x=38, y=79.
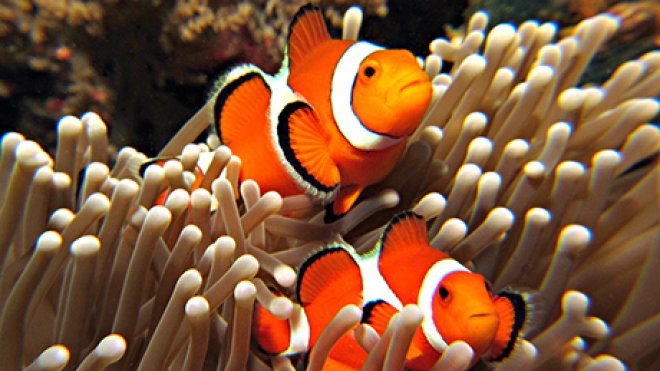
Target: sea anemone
x=530, y=180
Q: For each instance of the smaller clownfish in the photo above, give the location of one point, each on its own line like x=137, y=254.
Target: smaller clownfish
x=334, y=120
x=198, y=175
x=402, y=269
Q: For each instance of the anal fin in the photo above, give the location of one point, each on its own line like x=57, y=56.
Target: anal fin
x=345, y=199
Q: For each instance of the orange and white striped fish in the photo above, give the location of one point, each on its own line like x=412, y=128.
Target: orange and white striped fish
x=402, y=269
x=334, y=120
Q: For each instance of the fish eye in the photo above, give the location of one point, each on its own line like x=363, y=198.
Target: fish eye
x=443, y=292
x=369, y=69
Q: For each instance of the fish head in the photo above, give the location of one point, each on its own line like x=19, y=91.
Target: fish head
x=391, y=93
x=463, y=310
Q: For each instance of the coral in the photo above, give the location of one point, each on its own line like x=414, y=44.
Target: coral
x=521, y=174
x=71, y=56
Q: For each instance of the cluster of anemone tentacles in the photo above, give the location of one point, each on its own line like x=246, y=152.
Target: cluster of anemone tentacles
x=523, y=176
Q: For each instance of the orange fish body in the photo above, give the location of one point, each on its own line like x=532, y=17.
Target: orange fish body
x=333, y=121
x=402, y=269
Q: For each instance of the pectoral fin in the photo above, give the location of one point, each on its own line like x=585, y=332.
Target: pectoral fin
x=304, y=151
x=512, y=310
x=378, y=315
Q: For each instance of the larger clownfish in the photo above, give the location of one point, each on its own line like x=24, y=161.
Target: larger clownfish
x=402, y=269
x=334, y=120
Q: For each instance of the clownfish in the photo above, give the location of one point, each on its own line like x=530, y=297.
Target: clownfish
x=334, y=120
x=401, y=269
x=198, y=175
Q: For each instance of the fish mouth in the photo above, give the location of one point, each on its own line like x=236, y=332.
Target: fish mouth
x=480, y=315
x=411, y=88
x=413, y=83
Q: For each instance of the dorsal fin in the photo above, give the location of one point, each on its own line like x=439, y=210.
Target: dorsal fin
x=405, y=255
x=405, y=230
x=306, y=31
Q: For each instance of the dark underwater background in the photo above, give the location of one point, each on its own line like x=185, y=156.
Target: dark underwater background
x=146, y=66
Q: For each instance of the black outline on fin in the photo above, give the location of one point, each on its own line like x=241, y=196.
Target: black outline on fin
x=368, y=308
x=396, y=220
x=315, y=258
x=520, y=313
x=226, y=91
x=330, y=216
x=309, y=7
x=142, y=168
x=284, y=139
